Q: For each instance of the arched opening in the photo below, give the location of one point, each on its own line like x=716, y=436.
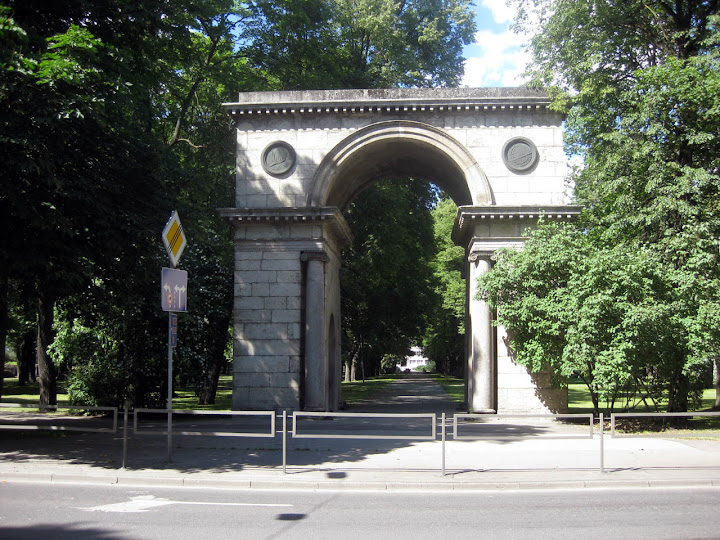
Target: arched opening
x=396, y=149
x=395, y=280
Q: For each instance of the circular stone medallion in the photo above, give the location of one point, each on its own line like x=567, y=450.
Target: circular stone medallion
x=278, y=158
x=520, y=155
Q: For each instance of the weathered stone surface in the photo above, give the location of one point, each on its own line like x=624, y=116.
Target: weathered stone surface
x=253, y=315
x=266, y=347
x=292, y=265
x=285, y=315
x=261, y=364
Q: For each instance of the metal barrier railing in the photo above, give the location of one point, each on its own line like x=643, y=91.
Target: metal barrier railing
x=675, y=435
x=476, y=420
x=56, y=408
x=425, y=427
x=184, y=412
x=482, y=420
x=325, y=415
x=305, y=414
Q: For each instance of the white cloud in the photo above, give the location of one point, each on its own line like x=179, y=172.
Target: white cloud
x=501, y=60
x=501, y=12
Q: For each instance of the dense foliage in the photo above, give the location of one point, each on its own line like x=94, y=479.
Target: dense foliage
x=316, y=44
x=444, y=341
x=387, y=281
x=110, y=118
x=628, y=298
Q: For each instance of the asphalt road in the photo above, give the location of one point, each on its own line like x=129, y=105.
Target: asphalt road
x=39, y=510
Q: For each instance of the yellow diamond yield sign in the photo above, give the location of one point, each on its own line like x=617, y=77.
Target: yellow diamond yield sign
x=174, y=238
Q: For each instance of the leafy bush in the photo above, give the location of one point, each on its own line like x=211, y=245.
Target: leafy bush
x=95, y=385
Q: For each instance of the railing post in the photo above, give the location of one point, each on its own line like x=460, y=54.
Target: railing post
x=442, y=428
x=602, y=443
x=125, y=427
x=284, y=441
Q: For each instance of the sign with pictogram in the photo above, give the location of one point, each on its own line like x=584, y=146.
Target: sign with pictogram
x=174, y=238
x=173, y=289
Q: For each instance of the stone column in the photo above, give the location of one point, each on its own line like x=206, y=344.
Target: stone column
x=481, y=353
x=316, y=376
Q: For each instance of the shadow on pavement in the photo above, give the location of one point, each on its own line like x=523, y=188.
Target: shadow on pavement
x=61, y=532
x=212, y=453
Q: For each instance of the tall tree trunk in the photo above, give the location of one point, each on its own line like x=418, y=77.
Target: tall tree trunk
x=26, y=358
x=351, y=366
x=348, y=367
x=716, y=381
x=3, y=327
x=678, y=393
x=46, y=369
x=208, y=392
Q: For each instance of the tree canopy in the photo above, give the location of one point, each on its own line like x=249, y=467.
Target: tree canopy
x=639, y=83
x=387, y=282
x=444, y=342
x=110, y=118
x=321, y=44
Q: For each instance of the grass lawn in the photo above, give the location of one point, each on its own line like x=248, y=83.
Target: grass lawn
x=352, y=392
x=579, y=401
x=453, y=386
x=28, y=394
x=184, y=398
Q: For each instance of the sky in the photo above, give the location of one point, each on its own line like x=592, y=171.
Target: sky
x=497, y=57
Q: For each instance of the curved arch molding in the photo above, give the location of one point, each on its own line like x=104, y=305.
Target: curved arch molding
x=398, y=147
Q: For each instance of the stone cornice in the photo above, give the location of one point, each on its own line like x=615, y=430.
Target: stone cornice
x=264, y=216
x=486, y=248
x=321, y=256
x=393, y=100
x=468, y=216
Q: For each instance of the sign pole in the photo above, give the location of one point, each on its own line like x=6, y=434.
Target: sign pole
x=173, y=292
x=170, y=384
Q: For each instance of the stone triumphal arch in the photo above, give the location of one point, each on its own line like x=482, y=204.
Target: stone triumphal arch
x=301, y=159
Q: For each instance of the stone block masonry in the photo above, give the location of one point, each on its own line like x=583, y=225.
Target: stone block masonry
x=266, y=364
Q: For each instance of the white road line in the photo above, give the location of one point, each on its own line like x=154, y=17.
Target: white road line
x=145, y=503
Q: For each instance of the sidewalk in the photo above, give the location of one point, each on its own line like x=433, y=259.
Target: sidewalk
x=496, y=462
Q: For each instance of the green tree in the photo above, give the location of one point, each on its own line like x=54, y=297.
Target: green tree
x=444, y=341
x=607, y=314
x=200, y=77
x=360, y=43
x=387, y=283
x=197, y=71
x=639, y=82
x=102, y=121
x=72, y=156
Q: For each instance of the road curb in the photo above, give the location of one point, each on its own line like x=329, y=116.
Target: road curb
x=355, y=485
